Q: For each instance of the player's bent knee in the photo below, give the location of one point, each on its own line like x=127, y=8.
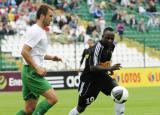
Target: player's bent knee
x=51, y=96
x=53, y=100
x=81, y=110
x=29, y=110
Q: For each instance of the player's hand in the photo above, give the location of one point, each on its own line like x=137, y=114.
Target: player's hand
x=41, y=71
x=56, y=58
x=115, y=67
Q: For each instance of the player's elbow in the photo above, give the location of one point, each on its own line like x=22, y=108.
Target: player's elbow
x=22, y=53
x=25, y=50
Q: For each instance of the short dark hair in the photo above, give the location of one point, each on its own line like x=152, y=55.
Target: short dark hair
x=108, y=29
x=43, y=9
x=91, y=40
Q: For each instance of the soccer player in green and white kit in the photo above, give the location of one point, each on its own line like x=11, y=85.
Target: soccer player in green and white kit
x=33, y=71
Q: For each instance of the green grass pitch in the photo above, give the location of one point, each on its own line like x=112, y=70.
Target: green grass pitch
x=142, y=101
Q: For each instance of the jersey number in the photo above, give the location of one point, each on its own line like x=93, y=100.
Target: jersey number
x=90, y=100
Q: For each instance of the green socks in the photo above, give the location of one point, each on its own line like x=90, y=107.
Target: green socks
x=42, y=108
x=21, y=112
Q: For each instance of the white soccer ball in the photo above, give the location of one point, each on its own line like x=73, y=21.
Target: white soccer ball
x=119, y=94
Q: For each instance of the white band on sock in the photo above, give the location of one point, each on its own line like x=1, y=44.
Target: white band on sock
x=74, y=111
x=119, y=108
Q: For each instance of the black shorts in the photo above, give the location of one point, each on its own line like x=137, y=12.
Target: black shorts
x=89, y=90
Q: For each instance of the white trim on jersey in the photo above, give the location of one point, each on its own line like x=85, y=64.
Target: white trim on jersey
x=82, y=88
x=96, y=53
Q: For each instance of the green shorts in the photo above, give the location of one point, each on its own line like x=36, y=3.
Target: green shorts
x=33, y=84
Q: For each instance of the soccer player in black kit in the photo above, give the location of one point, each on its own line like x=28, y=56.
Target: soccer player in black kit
x=85, y=53
x=96, y=74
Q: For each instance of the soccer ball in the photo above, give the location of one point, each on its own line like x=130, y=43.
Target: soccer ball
x=119, y=94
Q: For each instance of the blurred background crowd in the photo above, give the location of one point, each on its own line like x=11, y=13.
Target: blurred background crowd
x=136, y=23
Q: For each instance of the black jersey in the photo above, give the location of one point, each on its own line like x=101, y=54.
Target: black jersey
x=99, y=54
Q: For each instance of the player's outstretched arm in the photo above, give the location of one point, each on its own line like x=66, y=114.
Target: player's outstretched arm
x=100, y=68
x=53, y=58
x=115, y=67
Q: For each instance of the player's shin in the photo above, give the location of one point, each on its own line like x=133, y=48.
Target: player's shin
x=74, y=111
x=21, y=112
x=119, y=109
x=42, y=108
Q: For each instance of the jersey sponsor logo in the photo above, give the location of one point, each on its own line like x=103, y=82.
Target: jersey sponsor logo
x=105, y=64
